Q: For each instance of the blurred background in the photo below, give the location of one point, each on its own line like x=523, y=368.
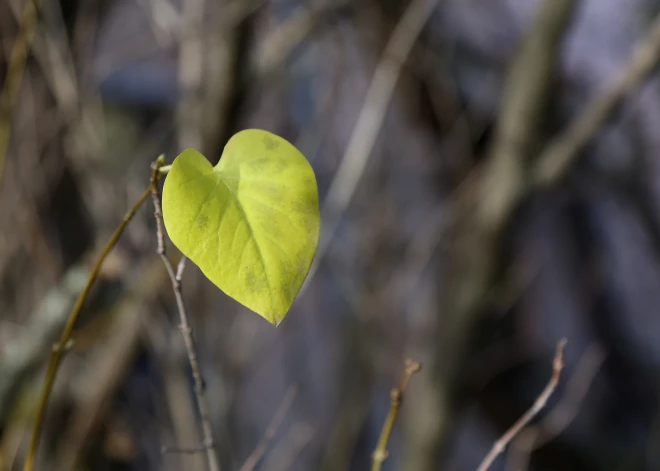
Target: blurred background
x=443, y=239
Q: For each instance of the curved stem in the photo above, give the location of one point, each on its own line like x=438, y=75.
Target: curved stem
x=65, y=339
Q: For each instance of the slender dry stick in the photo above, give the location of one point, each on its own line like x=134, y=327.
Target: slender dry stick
x=396, y=396
x=15, y=71
x=562, y=414
x=258, y=453
x=557, y=158
x=541, y=401
x=184, y=326
x=65, y=339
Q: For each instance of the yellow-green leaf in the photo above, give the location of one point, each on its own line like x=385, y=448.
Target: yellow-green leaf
x=251, y=223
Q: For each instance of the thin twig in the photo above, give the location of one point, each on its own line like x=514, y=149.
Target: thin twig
x=370, y=120
x=15, y=71
x=258, y=453
x=186, y=330
x=541, y=401
x=396, y=396
x=562, y=414
x=560, y=153
x=65, y=339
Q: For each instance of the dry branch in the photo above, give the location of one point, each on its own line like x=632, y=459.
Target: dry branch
x=396, y=397
x=563, y=413
x=541, y=401
x=186, y=330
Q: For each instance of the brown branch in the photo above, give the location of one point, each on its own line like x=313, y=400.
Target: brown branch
x=65, y=339
x=396, y=396
x=562, y=414
x=541, y=401
x=258, y=453
x=186, y=330
x=560, y=153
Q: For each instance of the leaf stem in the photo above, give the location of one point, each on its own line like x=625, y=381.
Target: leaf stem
x=65, y=342
x=186, y=330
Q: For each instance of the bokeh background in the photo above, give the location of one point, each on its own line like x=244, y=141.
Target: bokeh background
x=439, y=241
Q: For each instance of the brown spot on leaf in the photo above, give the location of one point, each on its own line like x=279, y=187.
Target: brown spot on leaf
x=202, y=222
x=270, y=143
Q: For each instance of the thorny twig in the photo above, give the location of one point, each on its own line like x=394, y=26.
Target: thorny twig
x=396, y=396
x=186, y=330
x=541, y=401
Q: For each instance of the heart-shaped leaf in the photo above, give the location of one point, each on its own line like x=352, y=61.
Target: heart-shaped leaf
x=251, y=223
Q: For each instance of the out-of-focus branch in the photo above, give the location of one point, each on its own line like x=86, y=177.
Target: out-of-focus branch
x=478, y=234
x=27, y=350
x=15, y=71
x=279, y=44
x=558, y=156
x=200, y=394
x=109, y=365
x=396, y=397
x=191, y=54
x=258, y=453
x=524, y=101
x=541, y=401
x=556, y=421
x=370, y=120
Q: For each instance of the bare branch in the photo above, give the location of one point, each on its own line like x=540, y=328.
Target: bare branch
x=560, y=153
x=563, y=413
x=541, y=401
x=186, y=330
x=381, y=453
x=65, y=341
